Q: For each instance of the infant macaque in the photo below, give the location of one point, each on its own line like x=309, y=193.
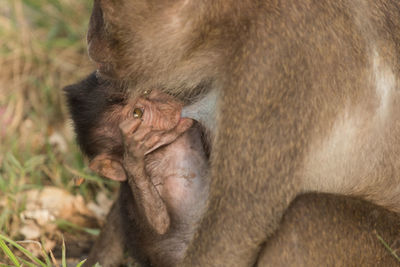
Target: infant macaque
x=145, y=142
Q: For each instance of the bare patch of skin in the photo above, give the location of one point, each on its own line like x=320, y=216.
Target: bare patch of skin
x=385, y=83
x=204, y=111
x=352, y=159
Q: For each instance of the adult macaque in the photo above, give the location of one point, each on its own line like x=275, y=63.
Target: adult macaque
x=306, y=99
x=316, y=229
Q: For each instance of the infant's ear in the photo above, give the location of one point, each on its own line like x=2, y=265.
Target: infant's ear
x=108, y=167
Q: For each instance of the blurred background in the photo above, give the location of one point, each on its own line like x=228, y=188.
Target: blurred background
x=46, y=189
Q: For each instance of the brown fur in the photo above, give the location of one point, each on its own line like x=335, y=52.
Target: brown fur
x=327, y=230
x=307, y=96
x=317, y=230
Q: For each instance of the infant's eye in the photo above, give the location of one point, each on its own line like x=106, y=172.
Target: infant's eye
x=138, y=113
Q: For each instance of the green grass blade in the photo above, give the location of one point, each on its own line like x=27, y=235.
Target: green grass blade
x=23, y=250
x=63, y=260
x=27, y=263
x=9, y=254
x=81, y=263
x=64, y=225
x=388, y=247
x=14, y=161
x=45, y=255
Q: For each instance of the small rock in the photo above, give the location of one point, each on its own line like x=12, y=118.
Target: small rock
x=30, y=230
x=102, y=207
x=58, y=141
x=41, y=216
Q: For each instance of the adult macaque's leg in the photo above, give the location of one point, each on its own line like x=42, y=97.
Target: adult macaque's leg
x=331, y=230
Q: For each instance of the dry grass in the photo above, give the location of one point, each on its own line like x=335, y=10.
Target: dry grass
x=42, y=49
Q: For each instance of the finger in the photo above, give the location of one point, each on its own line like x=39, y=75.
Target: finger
x=129, y=125
x=151, y=141
x=141, y=133
x=164, y=139
x=183, y=125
